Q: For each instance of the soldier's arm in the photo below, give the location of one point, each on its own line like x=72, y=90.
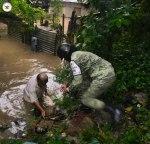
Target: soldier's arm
x=77, y=77
x=76, y=81
x=74, y=86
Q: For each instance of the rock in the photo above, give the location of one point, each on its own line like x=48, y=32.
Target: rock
x=142, y=98
x=49, y=111
x=102, y=117
x=86, y=123
x=43, y=126
x=63, y=134
x=40, y=129
x=73, y=140
x=79, y=123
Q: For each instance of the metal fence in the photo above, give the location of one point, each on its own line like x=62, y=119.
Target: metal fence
x=46, y=40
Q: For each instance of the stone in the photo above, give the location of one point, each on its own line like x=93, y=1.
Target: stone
x=102, y=117
x=43, y=126
x=141, y=97
x=79, y=123
x=73, y=140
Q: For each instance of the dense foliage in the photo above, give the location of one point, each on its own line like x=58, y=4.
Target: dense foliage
x=120, y=33
x=56, y=11
x=25, y=11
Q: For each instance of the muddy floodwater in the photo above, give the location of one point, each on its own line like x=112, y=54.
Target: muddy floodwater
x=17, y=64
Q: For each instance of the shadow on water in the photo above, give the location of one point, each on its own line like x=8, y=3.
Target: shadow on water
x=17, y=64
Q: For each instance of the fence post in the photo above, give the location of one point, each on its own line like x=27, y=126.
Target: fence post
x=53, y=19
x=63, y=22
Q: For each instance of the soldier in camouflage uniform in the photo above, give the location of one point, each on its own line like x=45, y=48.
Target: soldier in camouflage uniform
x=87, y=66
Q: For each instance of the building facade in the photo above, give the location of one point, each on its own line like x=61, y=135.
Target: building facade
x=68, y=7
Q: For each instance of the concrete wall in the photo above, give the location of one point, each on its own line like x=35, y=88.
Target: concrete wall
x=68, y=7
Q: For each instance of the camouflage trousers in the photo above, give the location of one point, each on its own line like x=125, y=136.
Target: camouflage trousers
x=96, y=88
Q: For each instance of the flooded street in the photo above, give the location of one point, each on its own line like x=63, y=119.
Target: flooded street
x=17, y=64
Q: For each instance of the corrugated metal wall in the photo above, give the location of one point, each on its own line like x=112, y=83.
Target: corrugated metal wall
x=14, y=31
x=46, y=40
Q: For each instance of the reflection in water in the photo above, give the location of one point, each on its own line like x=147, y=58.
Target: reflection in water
x=17, y=64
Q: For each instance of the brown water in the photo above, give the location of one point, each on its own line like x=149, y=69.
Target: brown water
x=17, y=64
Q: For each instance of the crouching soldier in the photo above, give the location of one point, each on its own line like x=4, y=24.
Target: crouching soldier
x=92, y=73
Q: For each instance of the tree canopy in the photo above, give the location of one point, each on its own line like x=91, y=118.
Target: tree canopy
x=120, y=33
x=24, y=10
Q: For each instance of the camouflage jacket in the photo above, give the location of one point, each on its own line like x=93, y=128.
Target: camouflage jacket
x=87, y=66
